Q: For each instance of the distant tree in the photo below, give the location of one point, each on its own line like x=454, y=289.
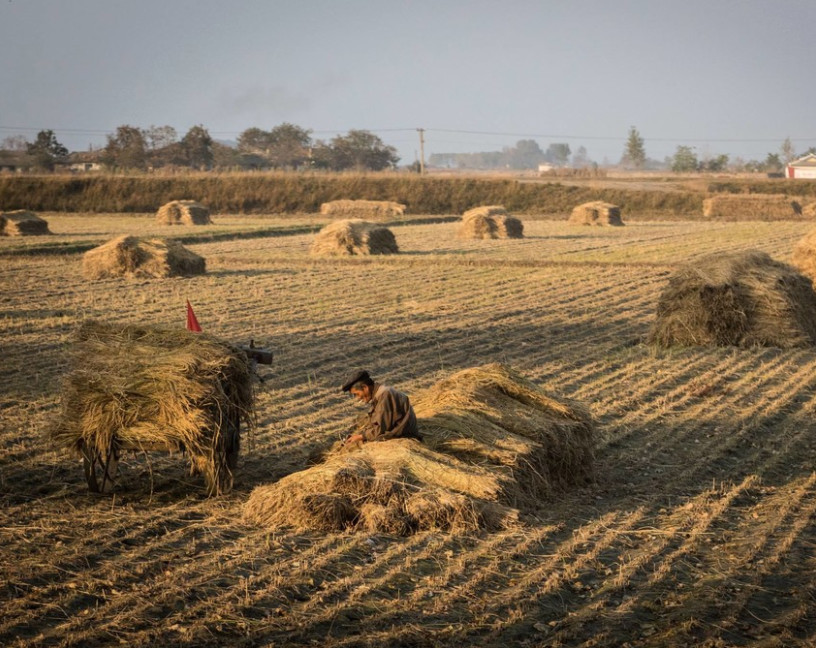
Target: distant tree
x=772, y=163
x=254, y=141
x=526, y=154
x=787, y=151
x=716, y=164
x=635, y=153
x=197, y=145
x=16, y=143
x=126, y=148
x=361, y=149
x=558, y=154
x=46, y=150
x=684, y=160
x=158, y=137
x=580, y=159
x=289, y=145
x=225, y=157
x=811, y=151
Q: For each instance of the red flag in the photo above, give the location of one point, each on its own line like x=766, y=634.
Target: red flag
x=192, y=322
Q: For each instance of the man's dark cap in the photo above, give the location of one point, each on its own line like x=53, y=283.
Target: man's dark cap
x=356, y=377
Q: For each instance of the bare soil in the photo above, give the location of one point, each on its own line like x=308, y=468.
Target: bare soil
x=699, y=531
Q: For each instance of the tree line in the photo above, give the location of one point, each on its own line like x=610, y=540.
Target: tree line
x=286, y=146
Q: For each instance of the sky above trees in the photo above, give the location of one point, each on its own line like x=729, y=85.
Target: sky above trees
x=718, y=76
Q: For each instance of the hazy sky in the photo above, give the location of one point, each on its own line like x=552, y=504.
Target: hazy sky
x=724, y=76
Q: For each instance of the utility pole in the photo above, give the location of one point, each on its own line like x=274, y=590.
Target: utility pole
x=421, y=132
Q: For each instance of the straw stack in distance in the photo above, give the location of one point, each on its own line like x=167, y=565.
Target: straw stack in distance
x=145, y=388
x=22, y=223
x=183, y=212
x=130, y=256
x=354, y=237
x=743, y=299
x=733, y=207
x=596, y=212
x=489, y=222
x=494, y=444
x=363, y=209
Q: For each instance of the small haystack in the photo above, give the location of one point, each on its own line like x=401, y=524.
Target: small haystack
x=130, y=256
x=149, y=388
x=804, y=255
x=22, y=223
x=183, y=212
x=809, y=210
x=742, y=299
x=596, y=212
x=732, y=207
x=489, y=222
x=493, y=443
x=363, y=209
x=353, y=237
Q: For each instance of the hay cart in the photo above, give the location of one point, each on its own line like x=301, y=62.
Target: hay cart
x=145, y=389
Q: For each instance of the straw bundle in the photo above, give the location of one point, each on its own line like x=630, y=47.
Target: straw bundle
x=493, y=442
x=130, y=256
x=490, y=222
x=397, y=487
x=742, y=299
x=148, y=388
x=22, y=223
x=493, y=416
x=804, y=255
x=732, y=207
x=363, y=209
x=809, y=210
x=353, y=237
x=183, y=212
x=596, y=212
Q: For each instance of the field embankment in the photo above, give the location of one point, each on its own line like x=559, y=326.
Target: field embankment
x=268, y=193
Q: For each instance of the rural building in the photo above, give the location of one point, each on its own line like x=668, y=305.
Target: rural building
x=804, y=167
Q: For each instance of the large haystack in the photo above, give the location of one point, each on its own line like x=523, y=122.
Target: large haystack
x=732, y=207
x=742, y=299
x=596, y=212
x=22, y=223
x=130, y=256
x=183, y=212
x=493, y=443
x=353, y=237
x=149, y=388
x=363, y=209
x=489, y=222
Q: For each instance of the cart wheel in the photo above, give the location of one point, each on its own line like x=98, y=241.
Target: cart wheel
x=100, y=472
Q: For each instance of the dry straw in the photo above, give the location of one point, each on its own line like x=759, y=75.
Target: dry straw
x=751, y=207
x=353, y=237
x=596, y=212
x=363, y=209
x=140, y=388
x=130, y=256
x=493, y=443
x=804, y=255
x=183, y=212
x=489, y=222
x=743, y=299
x=22, y=223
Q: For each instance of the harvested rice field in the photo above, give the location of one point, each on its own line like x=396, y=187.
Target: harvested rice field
x=698, y=530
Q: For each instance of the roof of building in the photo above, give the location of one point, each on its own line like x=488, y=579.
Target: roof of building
x=808, y=160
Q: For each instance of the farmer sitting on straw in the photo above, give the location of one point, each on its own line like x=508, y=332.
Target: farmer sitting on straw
x=390, y=416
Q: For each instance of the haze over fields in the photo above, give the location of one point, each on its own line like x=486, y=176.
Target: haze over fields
x=724, y=77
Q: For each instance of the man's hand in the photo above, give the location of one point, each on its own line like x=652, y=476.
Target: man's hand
x=353, y=439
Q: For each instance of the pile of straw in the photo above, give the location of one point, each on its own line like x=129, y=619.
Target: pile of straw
x=489, y=222
x=804, y=255
x=22, y=223
x=493, y=443
x=130, y=256
x=809, y=210
x=743, y=299
x=731, y=207
x=149, y=388
x=596, y=212
x=183, y=212
x=363, y=209
x=353, y=237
